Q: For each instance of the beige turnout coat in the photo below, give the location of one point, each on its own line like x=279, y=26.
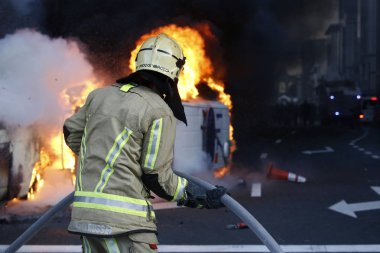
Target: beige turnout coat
x=124, y=137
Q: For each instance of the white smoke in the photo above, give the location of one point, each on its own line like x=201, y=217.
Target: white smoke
x=194, y=162
x=34, y=70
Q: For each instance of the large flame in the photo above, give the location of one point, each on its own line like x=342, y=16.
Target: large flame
x=54, y=153
x=198, y=67
x=37, y=181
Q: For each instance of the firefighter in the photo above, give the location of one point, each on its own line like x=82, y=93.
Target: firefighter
x=124, y=137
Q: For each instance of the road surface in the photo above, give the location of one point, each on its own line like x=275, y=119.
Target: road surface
x=336, y=210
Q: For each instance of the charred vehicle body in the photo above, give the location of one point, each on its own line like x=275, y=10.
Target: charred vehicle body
x=19, y=152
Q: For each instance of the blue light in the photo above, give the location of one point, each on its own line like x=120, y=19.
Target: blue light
x=358, y=97
x=337, y=113
x=332, y=97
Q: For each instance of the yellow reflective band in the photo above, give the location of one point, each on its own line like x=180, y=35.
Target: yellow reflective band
x=82, y=154
x=157, y=144
x=120, y=148
x=114, y=152
x=111, y=197
x=154, y=143
x=112, y=203
x=109, y=208
x=150, y=144
x=113, y=161
x=86, y=245
x=181, y=185
x=126, y=87
x=111, y=245
x=115, y=143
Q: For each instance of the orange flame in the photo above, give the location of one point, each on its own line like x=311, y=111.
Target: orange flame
x=36, y=181
x=73, y=99
x=219, y=173
x=55, y=153
x=198, y=67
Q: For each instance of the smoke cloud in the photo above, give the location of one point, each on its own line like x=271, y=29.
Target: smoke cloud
x=34, y=70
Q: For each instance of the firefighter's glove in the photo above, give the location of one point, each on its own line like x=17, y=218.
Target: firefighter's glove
x=213, y=197
x=198, y=197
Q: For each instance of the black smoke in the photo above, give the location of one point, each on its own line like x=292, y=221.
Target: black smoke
x=257, y=39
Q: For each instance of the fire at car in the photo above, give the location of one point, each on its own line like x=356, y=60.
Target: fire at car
x=26, y=152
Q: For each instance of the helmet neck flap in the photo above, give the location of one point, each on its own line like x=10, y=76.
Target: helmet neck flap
x=163, y=85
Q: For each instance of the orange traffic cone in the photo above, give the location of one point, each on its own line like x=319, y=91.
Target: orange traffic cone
x=273, y=172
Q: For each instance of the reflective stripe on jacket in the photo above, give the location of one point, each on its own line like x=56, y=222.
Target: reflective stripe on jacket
x=124, y=136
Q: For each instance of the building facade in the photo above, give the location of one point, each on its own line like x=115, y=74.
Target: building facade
x=353, y=45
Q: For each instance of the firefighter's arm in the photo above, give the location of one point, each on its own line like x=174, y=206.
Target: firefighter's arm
x=158, y=175
x=74, y=127
x=157, y=157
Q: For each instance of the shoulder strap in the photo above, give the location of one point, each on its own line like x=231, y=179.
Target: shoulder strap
x=127, y=87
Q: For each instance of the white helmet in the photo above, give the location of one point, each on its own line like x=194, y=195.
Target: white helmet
x=161, y=54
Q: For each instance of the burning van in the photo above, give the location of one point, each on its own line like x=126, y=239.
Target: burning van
x=204, y=143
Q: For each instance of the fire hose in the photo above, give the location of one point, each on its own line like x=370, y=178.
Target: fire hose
x=242, y=213
x=227, y=200
x=38, y=225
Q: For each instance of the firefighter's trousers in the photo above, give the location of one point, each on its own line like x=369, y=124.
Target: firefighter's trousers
x=134, y=243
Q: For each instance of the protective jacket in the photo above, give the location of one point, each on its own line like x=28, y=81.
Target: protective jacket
x=124, y=136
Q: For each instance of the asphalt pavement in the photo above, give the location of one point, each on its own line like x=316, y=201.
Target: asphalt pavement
x=338, y=206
